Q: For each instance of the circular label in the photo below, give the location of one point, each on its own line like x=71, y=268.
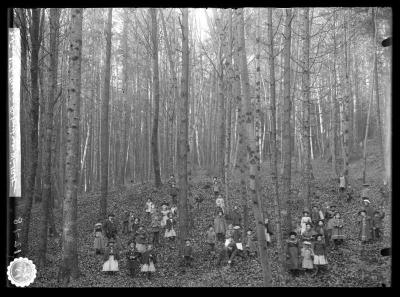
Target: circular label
x=21, y=272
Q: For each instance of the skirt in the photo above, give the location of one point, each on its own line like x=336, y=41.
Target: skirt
x=141, y=248
x=148, y=267
x=99, y=243
x=320, y=260
x=308, y=264
x=110, y=265
x=170, y=233
x=164, y=221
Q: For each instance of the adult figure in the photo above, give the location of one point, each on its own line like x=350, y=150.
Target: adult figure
x=110, y=227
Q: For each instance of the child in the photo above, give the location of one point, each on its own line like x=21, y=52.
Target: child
x=229, y=232
x=337, y=230
x=319, y=254
x=229, y=251
x=320, y=229
x=149, y=258
x=251, y=247
x=131, y=221
x=215, y=186
x=99, y=243
x=316, y=215
x=350, y=193
x=174, y=210
x=377, y=224
x=155, y=228
x=133, y=259
x=268, y=232
x=292, y=254
x=111, y=256
x=329, y=214
x=307, y=254
x=342, y=186
x=309, y=234
x=220, y=226
x=135, y=225
x=220, y=203
x=110, y=227
x=125, y=223
x=237, y=237
x=304, y=220
x=235, y=217
x=211, y=238
x=187, y=254
x=173, y=192
x=141, y=239
x=149, y=208
x=169, y=231
x=365, y=228
x=164, y=212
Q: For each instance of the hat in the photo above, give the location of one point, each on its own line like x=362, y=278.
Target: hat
x=111, y=215
x=306, y=211
x=98, y=225
x=236, y=227
x=111, y=241
x=362, y=210
x=307, y=242
x=365, y=185
x=292, y=233
x=365, y=199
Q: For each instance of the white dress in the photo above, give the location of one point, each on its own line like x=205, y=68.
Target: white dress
x=110, y=264
x=164, y=217
x=304, y=221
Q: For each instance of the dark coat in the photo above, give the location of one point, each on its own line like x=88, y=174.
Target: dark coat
x=377, y=221
x=292, y=254
x=319, y=248
x=141, y=237
x=219, y=225
x=110, y=229
x=187, y=251
x=237, y=235
x=235, y=218
x=170, y=224
x=149, y=255
x=111, y=251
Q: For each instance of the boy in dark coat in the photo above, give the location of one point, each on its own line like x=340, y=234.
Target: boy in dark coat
x=188, y=254
x=235, y=217
x=133, y=259
x=110, y=228
x=173, y=192
x=377, y=224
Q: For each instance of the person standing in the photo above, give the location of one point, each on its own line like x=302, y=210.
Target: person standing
x=220, y=226
x=110, y=227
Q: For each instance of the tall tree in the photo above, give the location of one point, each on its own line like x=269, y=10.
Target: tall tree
x=33, y=125
x=104, y=121
x=274, y=156
x=183, y=132
x=287, y=107
x=306, y=105
x=253, y=155
x=54, y=20
x=156, y=94
x=69, y=264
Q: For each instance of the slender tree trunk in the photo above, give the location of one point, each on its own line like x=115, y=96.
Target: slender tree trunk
x=69, y=265
x=183, y=133
x=54, y=25
x=306, y=106
x=287, y=107
x=253, y=156
x=33, y=131
x=105, y=123
x=156, y=94
x=274, y=156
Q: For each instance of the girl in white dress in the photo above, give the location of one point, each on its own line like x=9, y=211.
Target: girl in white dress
x=304, y=220
x=111, y=256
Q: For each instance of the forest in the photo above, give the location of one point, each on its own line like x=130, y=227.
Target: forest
x=193, y=147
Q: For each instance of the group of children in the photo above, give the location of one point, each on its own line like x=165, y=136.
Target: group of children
x=306, y=247
x=318, y=231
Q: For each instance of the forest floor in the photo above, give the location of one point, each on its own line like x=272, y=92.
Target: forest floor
x=348, y=267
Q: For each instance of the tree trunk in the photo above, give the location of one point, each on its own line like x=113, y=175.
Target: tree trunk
x=69, y=265
x=156, y=94
x=274, y=156
x=183, y=133
x=306, y=106
x=253, y=155
x=33, y=125
x=105, y=123
x=54, y=26
x=287, y=107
